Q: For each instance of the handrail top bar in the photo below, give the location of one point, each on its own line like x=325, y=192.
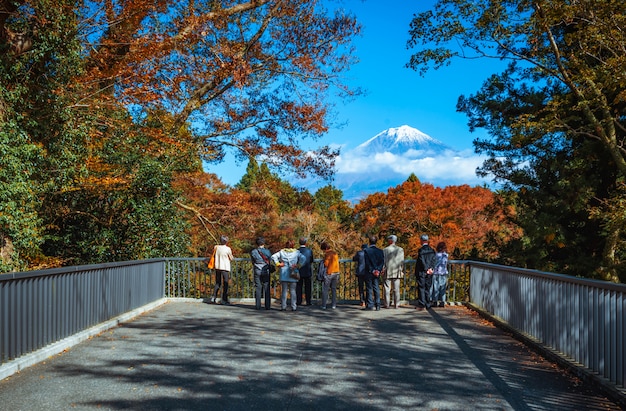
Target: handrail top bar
x=518, y=270
x=88, y=267
x=554, y=276
x=75, y=268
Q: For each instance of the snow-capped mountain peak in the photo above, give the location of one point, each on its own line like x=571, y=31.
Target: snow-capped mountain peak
x=400, y=140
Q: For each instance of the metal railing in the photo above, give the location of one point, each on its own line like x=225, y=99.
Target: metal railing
x=584, y=320
x=189, y=277
x=38, y=308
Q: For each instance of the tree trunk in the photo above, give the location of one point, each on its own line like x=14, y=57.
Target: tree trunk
x=608, y=271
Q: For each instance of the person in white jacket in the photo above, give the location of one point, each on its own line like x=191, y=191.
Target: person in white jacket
x=223, y=257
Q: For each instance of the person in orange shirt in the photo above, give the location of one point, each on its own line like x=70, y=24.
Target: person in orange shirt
x=331, y=262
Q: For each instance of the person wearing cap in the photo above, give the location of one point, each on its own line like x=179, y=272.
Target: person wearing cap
x=424, y=268
x=261, y=269
x=223, y=257
x=393, y=271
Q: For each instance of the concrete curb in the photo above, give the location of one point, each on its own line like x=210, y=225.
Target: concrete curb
x=15, y=366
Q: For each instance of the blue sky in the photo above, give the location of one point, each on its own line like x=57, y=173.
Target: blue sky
x=396, y=95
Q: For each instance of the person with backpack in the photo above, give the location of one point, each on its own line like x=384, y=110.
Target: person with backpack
x=359, y=259
x=261, y=268
x=374, y=262
x=288, y=260
x=424, y=268
x=331, y=263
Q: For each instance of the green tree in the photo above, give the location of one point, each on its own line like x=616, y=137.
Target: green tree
x=329, y=203
x=41, y=134
x=561, y=98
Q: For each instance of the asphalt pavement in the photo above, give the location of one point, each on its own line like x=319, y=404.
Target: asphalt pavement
x=189, y=355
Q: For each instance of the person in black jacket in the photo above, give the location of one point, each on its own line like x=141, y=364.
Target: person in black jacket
x=424, y=268
x=305, y=274
x=359, y=259
x=374, y=262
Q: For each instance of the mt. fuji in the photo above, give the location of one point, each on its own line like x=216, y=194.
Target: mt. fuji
x=403, y=140
x=387, y=159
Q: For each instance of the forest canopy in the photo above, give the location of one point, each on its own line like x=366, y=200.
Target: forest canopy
x=106, y=105
x=108, y=110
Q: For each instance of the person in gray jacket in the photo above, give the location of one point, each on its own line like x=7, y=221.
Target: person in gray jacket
x=288, y=261
x=261, y=270
x=393, y=271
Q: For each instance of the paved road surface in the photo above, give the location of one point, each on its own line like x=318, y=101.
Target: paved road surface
x=194, y=356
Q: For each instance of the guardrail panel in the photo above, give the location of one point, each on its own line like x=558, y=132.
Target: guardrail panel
x=581, y=318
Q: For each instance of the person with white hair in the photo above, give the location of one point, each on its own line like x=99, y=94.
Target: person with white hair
x=393, y=271
x=424, y=268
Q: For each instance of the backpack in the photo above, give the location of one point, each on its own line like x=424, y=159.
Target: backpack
x=321, y=271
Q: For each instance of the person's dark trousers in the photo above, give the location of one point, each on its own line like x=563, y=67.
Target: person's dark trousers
x=221, y=280
x=424, y=283
x=267, y=294
x=258, y=289
x=303, y=283
x=373, y=291
x=362, y=290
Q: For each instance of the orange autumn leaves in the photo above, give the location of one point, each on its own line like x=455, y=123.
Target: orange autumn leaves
x=462, y=216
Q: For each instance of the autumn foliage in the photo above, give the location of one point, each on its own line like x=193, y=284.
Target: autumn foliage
x=464, y=217
x=109, y=108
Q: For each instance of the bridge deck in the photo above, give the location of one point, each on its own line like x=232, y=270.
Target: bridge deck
x=193, y=356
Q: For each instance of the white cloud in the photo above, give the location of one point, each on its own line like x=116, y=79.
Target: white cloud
x=448, y=167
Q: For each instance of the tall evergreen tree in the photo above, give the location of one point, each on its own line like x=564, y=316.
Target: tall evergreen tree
x=559, y=100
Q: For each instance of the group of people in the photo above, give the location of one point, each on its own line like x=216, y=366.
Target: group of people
x=373, y=265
